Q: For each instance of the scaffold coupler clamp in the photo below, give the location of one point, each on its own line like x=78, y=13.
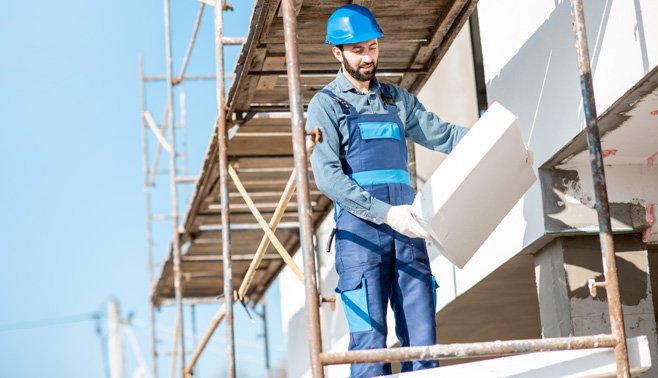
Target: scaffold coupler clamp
x=315, y=137
x=593, y=285
x=331, y=299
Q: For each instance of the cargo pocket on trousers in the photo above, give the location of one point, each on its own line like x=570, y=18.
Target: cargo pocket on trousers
x=354, y=295
x=433, y=288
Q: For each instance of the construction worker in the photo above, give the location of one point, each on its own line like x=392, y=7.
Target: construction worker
x=362, y=166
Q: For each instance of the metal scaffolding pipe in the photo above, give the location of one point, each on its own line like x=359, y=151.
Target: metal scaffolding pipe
x=186, y=180
x=190, y=301
x=266, y=342
x=234, y=41
x=158, y=151
x=234, y=257
x=162, y=141
x=600, y=189
x=246, y=226
x=182, y=125
x=194, y=341
x=304, y=208
x=385, y=71
x=479, y=349
x=178, y=288
x=222, y=143
x=190, y=46
x=174, y=349
x=187, y=78
x=147, y=204
x=214, y=323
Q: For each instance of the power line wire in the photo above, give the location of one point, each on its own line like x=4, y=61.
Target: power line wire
x=50, y=322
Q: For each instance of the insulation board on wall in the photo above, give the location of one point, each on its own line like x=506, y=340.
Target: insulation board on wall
x=479, y=182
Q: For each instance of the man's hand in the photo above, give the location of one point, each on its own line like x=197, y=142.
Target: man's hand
x=401, y=220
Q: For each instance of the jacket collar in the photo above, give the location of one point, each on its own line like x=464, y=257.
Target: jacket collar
x=344, y=85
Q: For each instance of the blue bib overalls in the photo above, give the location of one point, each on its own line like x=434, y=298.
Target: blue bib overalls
x=375, y=263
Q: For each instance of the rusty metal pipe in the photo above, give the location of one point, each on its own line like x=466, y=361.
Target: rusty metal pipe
x=178, y=288
x=480, y=349
x=222, y=144
x=147, y=204
x=303, y=197
x=600, y=189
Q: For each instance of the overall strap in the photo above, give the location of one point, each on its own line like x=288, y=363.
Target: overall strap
x=347, y=109
x=344, y=105
x=386, y=94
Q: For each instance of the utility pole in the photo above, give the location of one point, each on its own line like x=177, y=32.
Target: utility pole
x=114, y=339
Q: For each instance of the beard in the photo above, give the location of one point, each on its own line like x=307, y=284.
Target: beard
x=354, y=72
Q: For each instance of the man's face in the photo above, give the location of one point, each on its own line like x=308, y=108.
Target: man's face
x=359, y=59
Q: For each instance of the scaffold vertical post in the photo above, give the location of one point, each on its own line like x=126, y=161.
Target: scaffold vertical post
x=303, y=196
x=600, y=190
x=194, y=333
x=182, y=120
x=266, y=340
x=174, y=192
x=222, y=144
x=147, y=204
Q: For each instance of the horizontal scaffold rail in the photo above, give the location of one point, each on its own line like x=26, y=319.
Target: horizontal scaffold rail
x=479, y=349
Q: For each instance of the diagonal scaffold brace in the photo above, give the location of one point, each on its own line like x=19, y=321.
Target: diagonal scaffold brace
x=315, y=136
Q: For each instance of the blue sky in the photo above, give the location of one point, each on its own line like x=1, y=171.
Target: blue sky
x=71, y=194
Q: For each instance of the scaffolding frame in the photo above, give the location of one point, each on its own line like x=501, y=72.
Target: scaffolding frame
x=299, y=180
x=166, y=139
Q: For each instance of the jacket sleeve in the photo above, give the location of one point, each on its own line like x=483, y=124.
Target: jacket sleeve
x=426, y=128
x=327, y=170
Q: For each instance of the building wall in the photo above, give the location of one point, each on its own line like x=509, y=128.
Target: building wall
x=530, y=68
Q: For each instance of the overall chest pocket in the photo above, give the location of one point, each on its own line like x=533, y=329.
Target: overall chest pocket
x=379, y=130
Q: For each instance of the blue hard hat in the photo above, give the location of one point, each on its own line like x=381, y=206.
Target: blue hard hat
x=352, y=24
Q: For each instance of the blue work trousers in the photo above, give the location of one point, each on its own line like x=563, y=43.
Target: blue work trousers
x=375, y=264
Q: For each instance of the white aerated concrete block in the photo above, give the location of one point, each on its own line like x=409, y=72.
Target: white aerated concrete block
x=476, y=186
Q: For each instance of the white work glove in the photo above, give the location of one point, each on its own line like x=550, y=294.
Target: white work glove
x=401, y=220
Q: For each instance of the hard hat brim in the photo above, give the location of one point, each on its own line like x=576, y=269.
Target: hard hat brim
x=351, y=39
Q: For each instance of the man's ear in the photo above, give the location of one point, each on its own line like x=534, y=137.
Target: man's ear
x=338, y=54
